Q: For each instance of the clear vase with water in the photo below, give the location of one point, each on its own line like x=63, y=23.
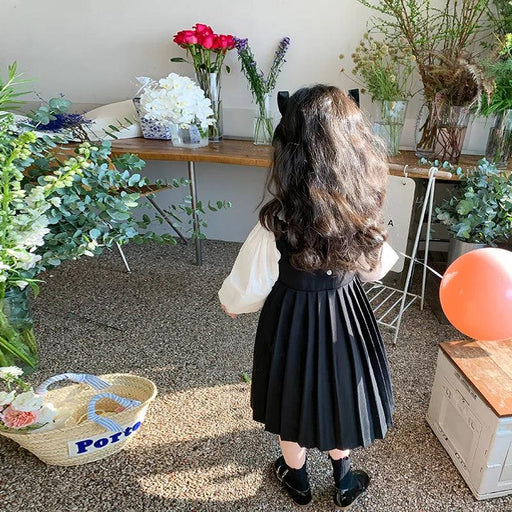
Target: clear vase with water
x=263, y=129
x=191, y=136
x=210, y=83
x=389, y=123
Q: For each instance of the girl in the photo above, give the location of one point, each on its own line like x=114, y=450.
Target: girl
x=320, y=375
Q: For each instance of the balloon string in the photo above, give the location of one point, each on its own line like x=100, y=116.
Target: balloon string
x=421, y=263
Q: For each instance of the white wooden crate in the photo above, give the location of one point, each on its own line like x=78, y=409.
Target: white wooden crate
x=478, y=440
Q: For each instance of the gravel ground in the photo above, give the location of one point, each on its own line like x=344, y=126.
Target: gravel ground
x=199, y=450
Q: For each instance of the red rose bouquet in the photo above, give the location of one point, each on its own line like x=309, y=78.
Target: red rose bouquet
x=208, y=51
x=206, y=48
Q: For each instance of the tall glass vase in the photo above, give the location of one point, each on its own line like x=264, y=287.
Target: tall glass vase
x=451, y=132
x=17, y=340
x=499, y=143
x=263, y=123
x=210, y=83
x=389, y=123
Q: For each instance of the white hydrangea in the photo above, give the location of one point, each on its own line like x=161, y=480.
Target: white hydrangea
x=179, y=100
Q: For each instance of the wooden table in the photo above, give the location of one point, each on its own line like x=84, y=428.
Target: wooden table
x=244, y=152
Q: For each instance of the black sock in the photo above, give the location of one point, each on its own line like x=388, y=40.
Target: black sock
x=343, y=477
x=297, y=478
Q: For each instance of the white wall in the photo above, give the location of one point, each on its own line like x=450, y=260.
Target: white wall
x=91, y=50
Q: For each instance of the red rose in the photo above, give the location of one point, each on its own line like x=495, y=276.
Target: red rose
x=231, y=42
x=178, y=38
x=203, y=30
x=216, y=42
x=207, y=41
x=226, y=42
x=189, y=37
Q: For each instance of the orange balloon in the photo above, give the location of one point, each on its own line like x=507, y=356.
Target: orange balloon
x=476, y=294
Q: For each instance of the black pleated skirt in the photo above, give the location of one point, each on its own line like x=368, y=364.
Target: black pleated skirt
x=320, y=375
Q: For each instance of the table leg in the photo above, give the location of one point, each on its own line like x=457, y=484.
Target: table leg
x=193, y=194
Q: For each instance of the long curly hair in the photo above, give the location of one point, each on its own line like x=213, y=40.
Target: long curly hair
x=328, y=182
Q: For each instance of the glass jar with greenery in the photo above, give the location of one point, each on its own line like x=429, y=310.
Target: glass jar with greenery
x=384, y=69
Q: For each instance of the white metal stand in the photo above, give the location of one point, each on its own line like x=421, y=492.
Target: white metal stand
x=394, y=302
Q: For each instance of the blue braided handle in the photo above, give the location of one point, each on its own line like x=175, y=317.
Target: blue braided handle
x=108, y=423
x=85, y=378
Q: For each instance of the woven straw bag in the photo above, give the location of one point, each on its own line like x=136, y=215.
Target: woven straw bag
x=82, y=434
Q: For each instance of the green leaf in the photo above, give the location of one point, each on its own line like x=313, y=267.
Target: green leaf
x=59, y=104
x=94, y=233
x=133, y=180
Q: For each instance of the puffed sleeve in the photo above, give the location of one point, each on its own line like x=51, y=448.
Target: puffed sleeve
x=254, y=273
x=388, y=257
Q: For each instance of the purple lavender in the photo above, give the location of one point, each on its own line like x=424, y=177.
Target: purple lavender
x=63, y=121
x=259, y=85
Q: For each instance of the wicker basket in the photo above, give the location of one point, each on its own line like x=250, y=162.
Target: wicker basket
x=84, y=435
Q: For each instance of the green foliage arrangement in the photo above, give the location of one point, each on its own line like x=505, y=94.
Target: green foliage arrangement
x=56, y=204
x=480, y=211
x=445, y=43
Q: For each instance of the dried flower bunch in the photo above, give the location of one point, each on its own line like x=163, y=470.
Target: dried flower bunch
x=384, y=68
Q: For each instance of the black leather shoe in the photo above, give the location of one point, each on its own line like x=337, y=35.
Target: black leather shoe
x=290, y=480
x=345, y=499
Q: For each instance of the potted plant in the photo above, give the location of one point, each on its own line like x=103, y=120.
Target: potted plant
x=177, y=101
x=443, y=41
x=384, y=69
x=479, y=213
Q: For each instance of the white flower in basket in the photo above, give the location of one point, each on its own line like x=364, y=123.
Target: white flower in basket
x=21, y=409
x=178, y=100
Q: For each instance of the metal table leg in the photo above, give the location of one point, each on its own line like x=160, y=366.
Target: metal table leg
x=197, y=228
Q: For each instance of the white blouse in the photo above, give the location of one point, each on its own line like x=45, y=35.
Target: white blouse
x=256, y=270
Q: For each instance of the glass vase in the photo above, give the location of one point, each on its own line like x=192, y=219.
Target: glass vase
x=389, y=123
x=451, y=132
x=499, y=142
x=440, y=133
x=17, y=341
x=210, y=83
x=191, y=136
x=426, y=132
x=263, y=123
